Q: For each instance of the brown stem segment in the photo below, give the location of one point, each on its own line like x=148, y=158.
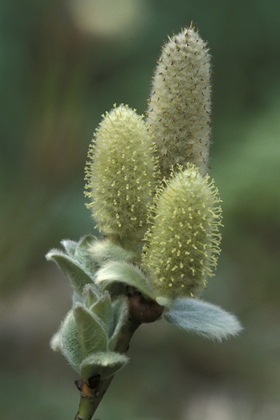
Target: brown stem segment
x=88, y=399
x=140, y=310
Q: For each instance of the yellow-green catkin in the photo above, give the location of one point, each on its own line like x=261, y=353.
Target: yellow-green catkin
x=120, y=174
x=182, y=244
x=179, y=107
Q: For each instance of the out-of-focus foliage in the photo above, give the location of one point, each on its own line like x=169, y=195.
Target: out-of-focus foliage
x=60, y=70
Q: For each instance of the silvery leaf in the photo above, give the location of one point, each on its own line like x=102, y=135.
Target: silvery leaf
x=104, y=364
x=203, y=318
x=91, y=333
x=121, y=271
x=73, y=270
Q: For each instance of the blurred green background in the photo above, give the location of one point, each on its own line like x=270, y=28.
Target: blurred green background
x=65, y=62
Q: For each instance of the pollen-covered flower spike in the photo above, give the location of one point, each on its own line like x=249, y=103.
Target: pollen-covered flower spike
x=183, y=241
x=179, y=106
x=121, y=174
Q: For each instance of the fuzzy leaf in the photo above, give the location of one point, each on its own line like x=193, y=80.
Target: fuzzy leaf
x=115, y=289
x=76, y=298
x=69, y=342
x=69, y=246
x=86, y=241
x=107, y=250
x=91, y=333
x=121, y=271
x=73, y=270
x=120, y=314
x=103, y=364
x=203, y=318
x=103, y=310
x=91, y=295
x=83, y=254
x=56, y=343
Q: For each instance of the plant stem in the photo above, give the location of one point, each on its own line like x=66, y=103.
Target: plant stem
x=92, y=394
x=90, y=398
x=141, y=310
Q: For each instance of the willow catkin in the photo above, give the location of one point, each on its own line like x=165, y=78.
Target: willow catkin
x=120, y=174
x=182, y=244
x=179, y=106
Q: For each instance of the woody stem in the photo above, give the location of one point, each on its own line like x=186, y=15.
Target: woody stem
x=141, y=310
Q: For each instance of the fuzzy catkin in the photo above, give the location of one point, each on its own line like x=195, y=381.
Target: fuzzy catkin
x=182, y=244
x=120, y=174
x=179, y=107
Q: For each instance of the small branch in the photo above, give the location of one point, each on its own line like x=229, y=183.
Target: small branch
x=92, y=394
x=141, y=310
x=90, y=397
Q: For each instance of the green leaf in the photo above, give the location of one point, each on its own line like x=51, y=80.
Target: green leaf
x=91, y=294
x=107, y=250
x=86, y=241
x=115, y=289
x=119, y=318
x=121, y=271
x=91, y=333
x=83, y=254
x=56, y=342
x=103, y=310
x=103, y=364
x=73, y=270
x=69, y=246
x=69, y=342
x=203, y=318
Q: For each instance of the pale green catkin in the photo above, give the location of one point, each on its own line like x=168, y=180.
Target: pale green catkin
x=179, y=107
x=120, y=174
x=182, y=244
